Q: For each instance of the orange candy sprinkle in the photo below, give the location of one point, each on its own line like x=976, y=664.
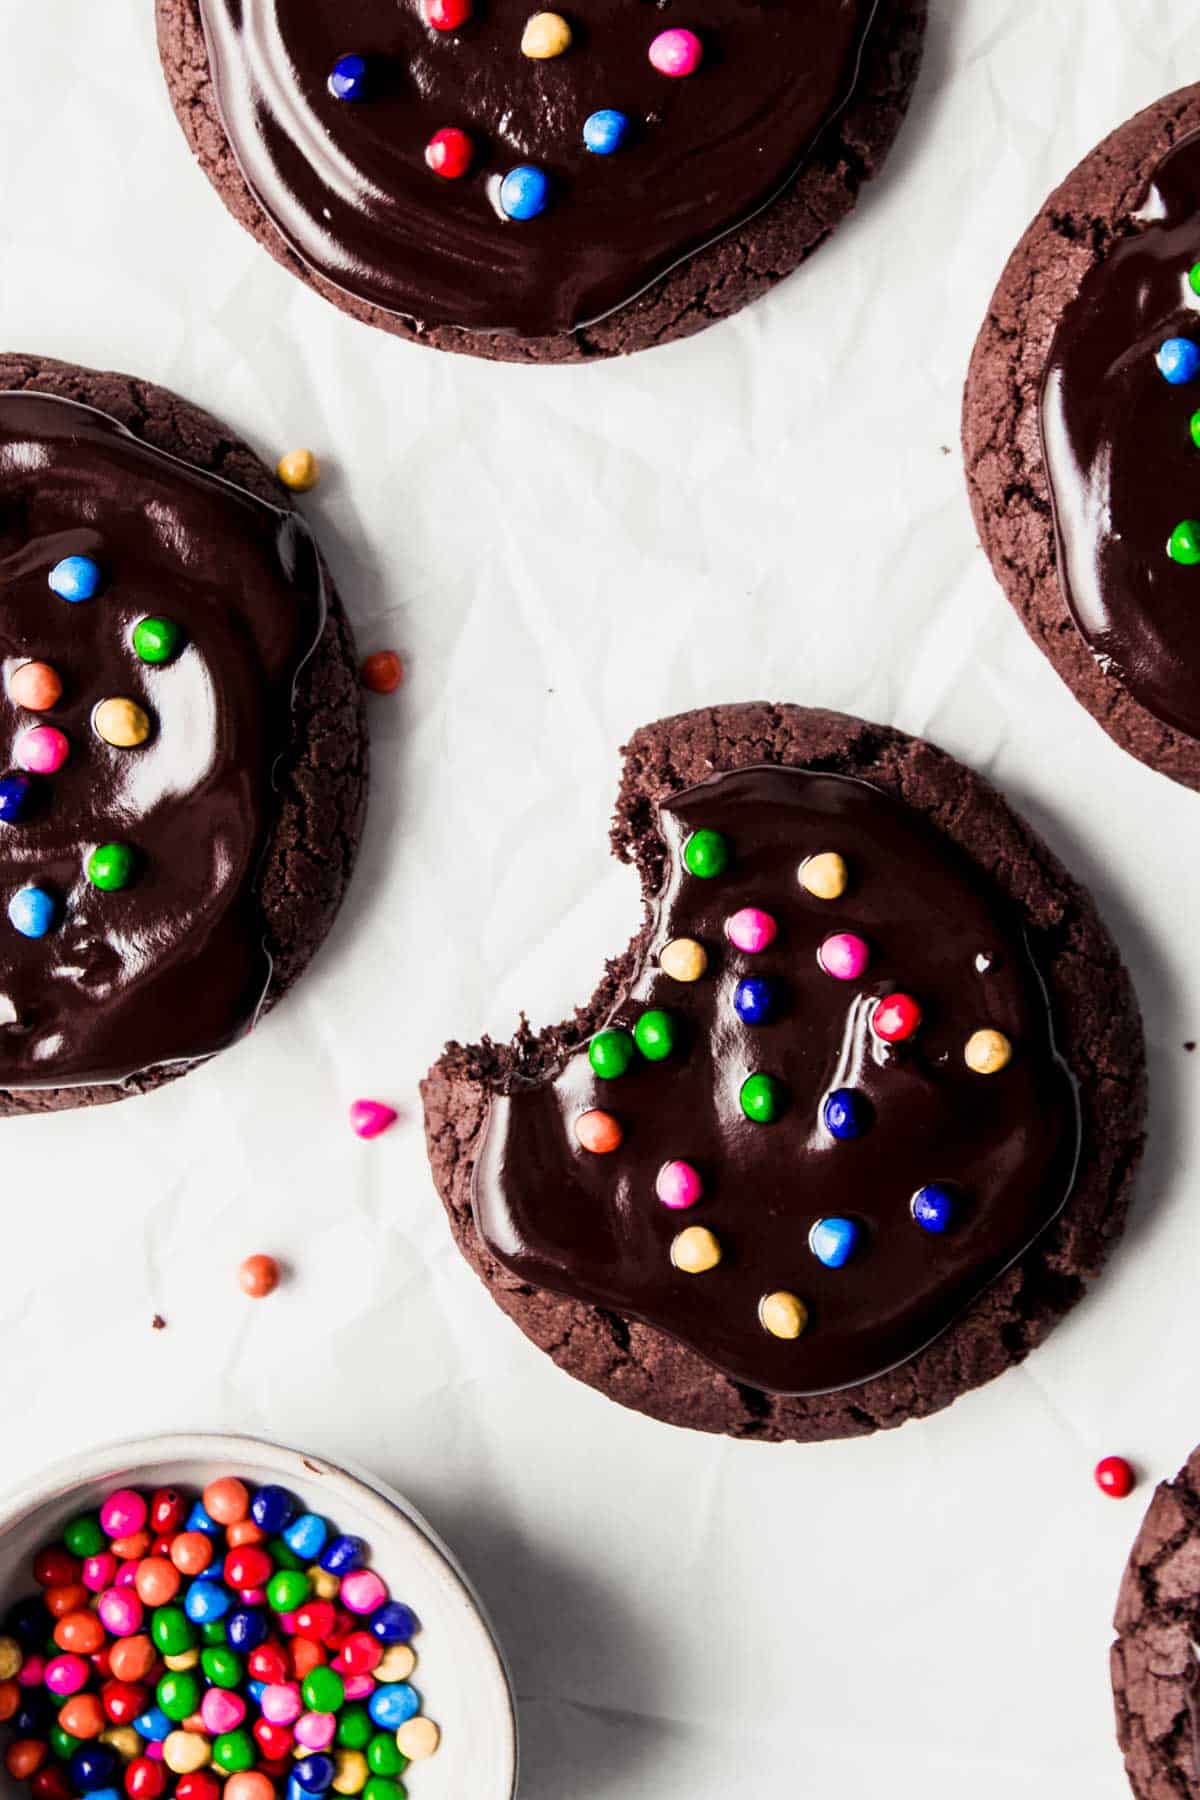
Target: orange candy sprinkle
x=383, y=672
x=63, y=1600
x=227, y=1501
x=81, y=1633
x=132, y=1658
x=132, y=1549
x=83, y=1716
x=35, y=686
x=598, y=1132
x=306, y=1656
x=258, y=1276
x=249, y=1784
x=192, y=1552
x=245, y=1532
x=10, y=1700
x=25, y=1758
x=157, y=1581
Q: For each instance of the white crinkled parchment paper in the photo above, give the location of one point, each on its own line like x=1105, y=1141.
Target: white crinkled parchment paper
x=772, y=510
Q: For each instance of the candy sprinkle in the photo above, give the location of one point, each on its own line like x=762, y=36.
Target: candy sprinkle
x=654, y=1035
x=847, y=1114
x=349, y=79
x=110, y=867
x=987, y=1052
x=1183, y=545
x=707, y=854
x=18, y=798
x=896, y=1018
x=42, y=750
x=845, y=956
x=1115, y=1477
x=605, y=131
x=762, y=1098
x=32, y=911
x=546, y=35
x=756, y=1000
x=678, y=1185
x=598, y=1132
x=751, y=930
x=299, y=470
x=676, y=53
x=683, y=959
x=446, y=15
x=76, y=578
x=524, y=192
x=783, y=1315
x=610, y=1053
x=695, y=1250
x=833, y=1241
x=368, y=1118
x=382, y=672
x=259, y=1276
x=1178, y=361
x=932, y=1207
x=157, y=641
x=824, y=876
x=122, y=723
x=35, y=686
x=450, y=153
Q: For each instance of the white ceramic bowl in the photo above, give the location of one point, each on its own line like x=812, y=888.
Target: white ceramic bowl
x=460, y=1672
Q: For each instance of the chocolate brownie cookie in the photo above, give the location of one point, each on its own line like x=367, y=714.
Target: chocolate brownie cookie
x=848, y=1126
x=545, y=188
x=1155, y=1666
x=186, y=745
x=1081, y=430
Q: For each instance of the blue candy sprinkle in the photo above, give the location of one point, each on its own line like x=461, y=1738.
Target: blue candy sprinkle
x=524, y=192
x=393, y=1622
x=272, y=1508
x=246, y=1629
x=207, y=1600
x=153, y=1724
x=94, y=1766
x=833, y=1241
x=315, y=1773
x=393, y=1705
x=605, y=131
x=75, y=578
x=306, y=1536
x=256, y=1690
x=200, y=1520
x=344, y=1555
x=294, y=1791
x=1179, y=361
x=933, y=1207
x=755, y=1000
x=847, y=1113
x=17, y=795
x=32, y=911
x=348, y=79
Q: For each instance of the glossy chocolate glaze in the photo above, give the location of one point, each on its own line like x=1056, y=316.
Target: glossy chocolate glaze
x=347, y=186
x=591, y=1226
x=172, y=967
x=1124, y=470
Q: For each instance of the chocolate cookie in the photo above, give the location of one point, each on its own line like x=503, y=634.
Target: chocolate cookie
x=848, y=1126
x=550, y=188
x=1155, y=1670
x=1082, y=427
x=186, y=746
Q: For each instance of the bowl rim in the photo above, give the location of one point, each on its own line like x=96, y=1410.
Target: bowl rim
x=56, y=1481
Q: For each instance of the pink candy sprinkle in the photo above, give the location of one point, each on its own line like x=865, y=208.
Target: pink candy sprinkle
x=358, y=1687
x=126, y=1575
x=67, y=1675
x=678, y=1185
x=315, y=1730
x=32, y=1672
x=222, y=1710
x=124, y=1512
x=281, y=1703
x=43, y=750
x=153, y=1751
x=121, y=1612
x=751, y=930
x=844, y=956
x=363, y=1592
x=676, y=52
x=100, y=1572
x=370, y=1117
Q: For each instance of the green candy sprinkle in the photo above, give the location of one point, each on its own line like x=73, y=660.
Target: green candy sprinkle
x=384, y=1756
x=222, y=1667
x=62, y=1744
x=382, y=1787
x=287, y=1590
x=610, y=1053
x=1184, y=546
x=179, y=1696
x=212, y=1632
x=323, y=1690
x=171, y=1631
x=355, y=1728
x=234, y=1751
x=707, y=853
x=1195, y=429
x=1194, y=277
x=110, y=868
x=763, y=1098
x=654, y=1035
x=157, y=640
x=283, y=1556
x=84, y=1536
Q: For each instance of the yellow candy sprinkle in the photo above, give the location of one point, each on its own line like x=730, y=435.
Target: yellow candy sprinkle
x=124, y=1740
x=187, y=1659
x=186, y=1751
x=782, y=1314
x=695, y=1250
x=825, y=876
x=350, y=1772
x=399, y=1661
x=546, y=34
x=122, y=723
x=324, y=1585
x=299, y=470
x=10, y=1658
x=683, y=959
x=417, y=1739
x=988, y=1052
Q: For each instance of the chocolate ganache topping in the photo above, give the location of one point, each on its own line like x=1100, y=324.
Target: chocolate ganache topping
x=346, y=182
x=915, y=1132
x=129, y=931
x=1121, y=443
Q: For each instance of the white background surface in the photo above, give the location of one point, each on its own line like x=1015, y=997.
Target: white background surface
x=772, y=510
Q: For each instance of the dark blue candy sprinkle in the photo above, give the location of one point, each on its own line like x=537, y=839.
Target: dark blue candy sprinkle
x=30, y=1623
x=246, y=1629
x=393, y=1622
x=272, y=1508
x=349, y=79
x=933, y=1207
x=315, y=1773
x=756, y=1000
x=344, y=1555
x=94, y=1766
x=17, y=793
x=847, y=1113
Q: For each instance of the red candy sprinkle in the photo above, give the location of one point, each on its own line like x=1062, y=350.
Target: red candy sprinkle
x=896, y=1017
x=383, y=672
x=52, y=1784
x=1115, y=1477
x=269, y=1664
x=145, y=1780
x=55, y=1567
x=450, y=153
x=275, y=1741
x=248, y=1567
x=315, y=1620
x=166, y=1511
x=200, y=1786
x=446, y=15
x=258, y=1277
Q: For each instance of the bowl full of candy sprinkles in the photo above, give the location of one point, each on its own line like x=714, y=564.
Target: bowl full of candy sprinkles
x=221, y=1619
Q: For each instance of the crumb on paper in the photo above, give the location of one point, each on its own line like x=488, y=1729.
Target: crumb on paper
x=158, y=1323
